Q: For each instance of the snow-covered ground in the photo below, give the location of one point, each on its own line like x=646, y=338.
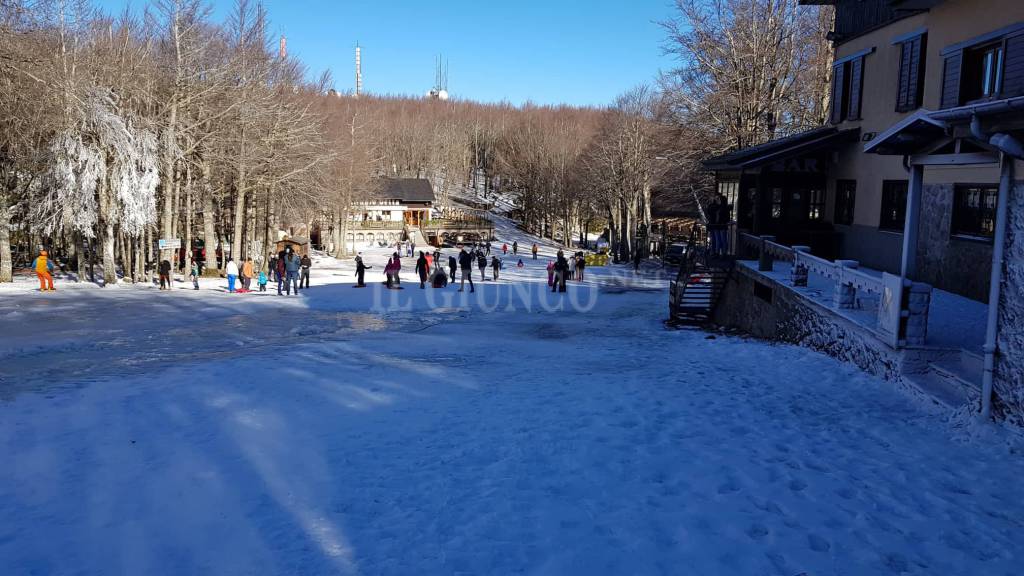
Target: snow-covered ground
x=509, y=431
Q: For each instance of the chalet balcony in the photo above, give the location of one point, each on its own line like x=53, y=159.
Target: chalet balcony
x=377, y=225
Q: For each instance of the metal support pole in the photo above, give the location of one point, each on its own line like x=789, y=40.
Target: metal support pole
x=912, y=222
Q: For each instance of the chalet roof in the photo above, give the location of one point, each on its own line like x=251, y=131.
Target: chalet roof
x=407, y=189
x=811, y=141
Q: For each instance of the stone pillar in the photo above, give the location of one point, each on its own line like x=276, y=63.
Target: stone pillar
x=919, y=298
x=798, y=275
x=845, y=295
x=764, y=261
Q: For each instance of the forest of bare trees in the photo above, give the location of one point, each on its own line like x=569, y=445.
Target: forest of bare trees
x=118, y=131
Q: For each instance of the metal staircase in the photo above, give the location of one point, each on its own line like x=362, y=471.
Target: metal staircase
x=698, y=287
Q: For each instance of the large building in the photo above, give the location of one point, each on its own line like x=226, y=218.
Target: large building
x=404, y=209
x=842, y=189
x=910, y=201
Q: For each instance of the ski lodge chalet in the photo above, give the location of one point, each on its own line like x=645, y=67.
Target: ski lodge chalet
x=906, y=210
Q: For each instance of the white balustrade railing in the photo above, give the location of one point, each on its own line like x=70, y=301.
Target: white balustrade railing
x=849, y=282
x=842, y=272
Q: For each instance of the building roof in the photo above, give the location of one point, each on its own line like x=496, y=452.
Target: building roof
x=407, y=189
x=811, y=141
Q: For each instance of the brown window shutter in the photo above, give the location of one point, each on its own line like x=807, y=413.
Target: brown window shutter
x=856, y=82
x=903, y=93
x=917, y=68
x=837, y=94
x=1013, y=68
x=911, y=74
x=951, y=80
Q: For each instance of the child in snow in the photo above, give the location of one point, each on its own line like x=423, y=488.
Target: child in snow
x=551, y=273
x=193, y=275
x=43, y=268
x=495, y=266
x=520, y=264
x=261, y=280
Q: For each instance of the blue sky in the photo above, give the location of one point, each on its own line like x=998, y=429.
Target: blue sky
x=572, y=51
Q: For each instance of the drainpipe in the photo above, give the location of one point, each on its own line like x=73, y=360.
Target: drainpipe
x=992, y=328
x=1010, y=148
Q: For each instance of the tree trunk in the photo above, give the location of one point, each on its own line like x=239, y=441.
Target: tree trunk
x=81, y=254
x=240, y=198
x=6, y=263
x=126, y=269
x=187, y=233
x=168, y=182
x=147, y=271
x=210, y=241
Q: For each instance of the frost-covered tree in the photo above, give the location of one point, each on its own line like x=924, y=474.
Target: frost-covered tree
x=102, y=174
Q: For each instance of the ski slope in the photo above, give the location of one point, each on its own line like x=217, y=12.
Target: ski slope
x=508, y=431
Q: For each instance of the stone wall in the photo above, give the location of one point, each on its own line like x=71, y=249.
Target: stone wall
x=1009, y=381
x=792, y=318
x=957, y=265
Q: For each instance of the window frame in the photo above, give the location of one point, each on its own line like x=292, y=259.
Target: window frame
x=844, y=71
x=843, y=211
x=731, y=190
x=981, y=71
x=962, y=75
x=956, y=228
x=917, y=88
x=816, y=204
x=889, y=225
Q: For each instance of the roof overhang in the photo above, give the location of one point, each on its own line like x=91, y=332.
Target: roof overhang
x=805, y=143
x=908, y=136
x=920, y=132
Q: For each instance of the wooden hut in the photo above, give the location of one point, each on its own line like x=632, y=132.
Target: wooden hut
x=298, y=244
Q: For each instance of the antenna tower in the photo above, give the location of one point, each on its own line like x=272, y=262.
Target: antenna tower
x=359, y=70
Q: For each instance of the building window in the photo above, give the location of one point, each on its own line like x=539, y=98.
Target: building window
x=847, y=83
x=731, y=191
x=776, y=203
x=983, y=72
x=816, y=204
x=974, y=211
x=911, y=76
x=846, y=196
x=894, y=205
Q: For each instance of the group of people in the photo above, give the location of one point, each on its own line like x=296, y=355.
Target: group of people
x=564, y=268
x=430, y=268
x=289, y=270
x=292, y=271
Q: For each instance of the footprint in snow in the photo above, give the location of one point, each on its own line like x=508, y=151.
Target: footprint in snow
x=757, y=532
x=817, y=543
x=797, y=485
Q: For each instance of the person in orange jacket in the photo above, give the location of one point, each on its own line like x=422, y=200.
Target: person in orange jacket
x=247, y=273
x=43, y=268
